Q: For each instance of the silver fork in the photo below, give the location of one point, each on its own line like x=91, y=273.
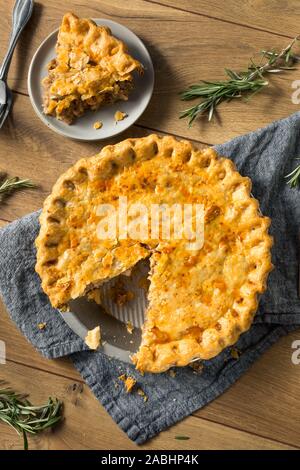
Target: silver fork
x=21, y=13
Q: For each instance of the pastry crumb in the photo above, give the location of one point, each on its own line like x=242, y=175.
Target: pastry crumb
x=197, y=367
x=129, y=382
x=119, y=116
x=123, y=297
x=235, y=353
x=129, y=327
x=142, y=394
x=42, y=326
x=127, y=273
x=172, y=373
x=94, y=295
x=93, y=338
x=64, y=308
x=98, y=125
x=144, y=283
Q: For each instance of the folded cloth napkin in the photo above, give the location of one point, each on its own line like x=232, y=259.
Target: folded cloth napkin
x=266, y=156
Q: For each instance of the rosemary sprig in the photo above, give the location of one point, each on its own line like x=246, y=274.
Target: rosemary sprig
x=18, y=412
x=12, y=184
x=237, y=84
x=294, y=176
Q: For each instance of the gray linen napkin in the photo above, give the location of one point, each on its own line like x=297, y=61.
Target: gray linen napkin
x=266, y=156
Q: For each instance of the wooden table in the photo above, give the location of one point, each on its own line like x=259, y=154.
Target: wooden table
x=188, y=40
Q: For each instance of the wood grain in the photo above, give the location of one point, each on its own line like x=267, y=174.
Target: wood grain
x=181, y=57
x=274, y=16
x=88, y=426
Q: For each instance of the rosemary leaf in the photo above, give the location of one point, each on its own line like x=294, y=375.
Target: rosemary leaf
x=238, y=84
x=17, y=412
x=12, y=184
x=294, y=176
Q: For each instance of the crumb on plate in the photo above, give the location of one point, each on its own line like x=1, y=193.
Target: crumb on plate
x=119, y=294
x=119, y=116
x=93, y=338
x=94, y=295
x=144, y=283
x=129, y=327
x=42, y=326
x=98, y=125
x=129, y=382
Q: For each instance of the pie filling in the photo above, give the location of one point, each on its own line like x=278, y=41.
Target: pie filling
x=200, y=299
x=92, y=69
x=69, y=107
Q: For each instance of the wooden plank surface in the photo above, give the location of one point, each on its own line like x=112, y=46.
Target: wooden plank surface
x=260, y=410
x=88, y=426
x=275, y=16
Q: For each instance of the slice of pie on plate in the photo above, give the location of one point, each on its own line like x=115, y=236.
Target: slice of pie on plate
x=92, y=68
x=200, y=300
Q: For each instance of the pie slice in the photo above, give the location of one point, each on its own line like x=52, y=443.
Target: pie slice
x=201, y=298
x=92, y=68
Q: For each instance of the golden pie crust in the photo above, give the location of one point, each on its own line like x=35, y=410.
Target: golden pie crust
x=91, y=68
x=200, y=301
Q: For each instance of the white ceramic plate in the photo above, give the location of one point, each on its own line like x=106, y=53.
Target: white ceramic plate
x=83, y=129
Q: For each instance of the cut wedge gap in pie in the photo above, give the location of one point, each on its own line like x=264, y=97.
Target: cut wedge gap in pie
x=200, y=301
x=92, y=68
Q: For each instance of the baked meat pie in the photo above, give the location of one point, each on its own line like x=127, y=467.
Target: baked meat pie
x=92, y=68
x=200, y=300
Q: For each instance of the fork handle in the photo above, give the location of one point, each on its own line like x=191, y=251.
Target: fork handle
x=21, y=13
